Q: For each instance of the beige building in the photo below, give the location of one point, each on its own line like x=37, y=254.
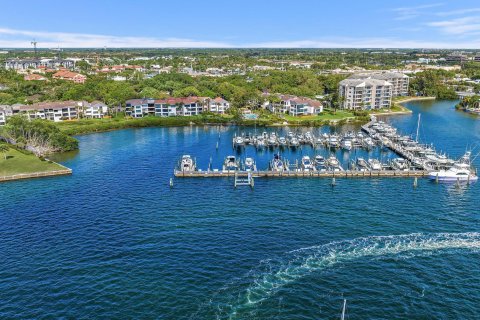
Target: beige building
x=398, y=80
x=360, y=94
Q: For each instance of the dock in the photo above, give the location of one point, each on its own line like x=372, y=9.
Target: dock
x=302, y=174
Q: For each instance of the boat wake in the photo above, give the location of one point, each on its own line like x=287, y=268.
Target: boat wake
x=272, y=275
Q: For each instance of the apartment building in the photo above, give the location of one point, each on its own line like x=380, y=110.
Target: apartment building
x=54, y=111
x=218, y=105
x=359, y=94
x=293, y=105
x=399, y=81
x=187, y=106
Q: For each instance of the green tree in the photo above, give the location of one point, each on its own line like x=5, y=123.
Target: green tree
x=4, y=149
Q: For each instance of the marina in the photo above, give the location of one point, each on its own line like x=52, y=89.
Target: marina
x=407, y=156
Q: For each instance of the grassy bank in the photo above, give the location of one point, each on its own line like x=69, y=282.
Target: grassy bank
x=18, y=162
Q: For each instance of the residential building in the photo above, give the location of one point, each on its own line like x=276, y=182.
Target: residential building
x=54, y=111
x=293, y=105
x=94, y=110
x=188, y=106
x=34, y=77
x=399, y=81
x=5, y=112
x=23, y=64
x=218, y=105
x=365, y=94
x=69, y=76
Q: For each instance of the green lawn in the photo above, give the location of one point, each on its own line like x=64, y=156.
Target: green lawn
x=18, y=162
x=327, y=115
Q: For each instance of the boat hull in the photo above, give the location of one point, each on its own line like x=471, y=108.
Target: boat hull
x=452, y=178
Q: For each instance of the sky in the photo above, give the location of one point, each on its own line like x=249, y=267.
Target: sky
x=245, y=23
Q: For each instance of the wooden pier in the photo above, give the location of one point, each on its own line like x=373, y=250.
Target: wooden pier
x=302, y=174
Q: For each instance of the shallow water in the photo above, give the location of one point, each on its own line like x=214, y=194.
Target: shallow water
x=115, y=241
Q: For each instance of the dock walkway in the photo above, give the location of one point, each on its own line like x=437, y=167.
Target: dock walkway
x=302, y=174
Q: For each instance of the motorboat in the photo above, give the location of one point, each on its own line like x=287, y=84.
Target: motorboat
x=374, y=164
x=333, y=142
x=187, y=164
x=319, y=160
x=294, y=142
x=238, y=141
x=250, y=164
x=346, y=144
x=361, y=164
x=400, y=164
x=282, y=141
x=277, y=164
x=460, y=171
x=333, y=164
x=230, y=164
x=259, y=142
x=307, y=164
x=272, y=141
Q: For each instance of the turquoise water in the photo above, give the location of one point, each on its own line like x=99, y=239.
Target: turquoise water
x=115, y=241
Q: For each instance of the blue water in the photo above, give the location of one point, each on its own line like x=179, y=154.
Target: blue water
x=114, y=241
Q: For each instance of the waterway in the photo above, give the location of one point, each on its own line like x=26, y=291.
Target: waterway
x=114, y=241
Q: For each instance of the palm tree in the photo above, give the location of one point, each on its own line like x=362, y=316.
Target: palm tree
x=4, y=149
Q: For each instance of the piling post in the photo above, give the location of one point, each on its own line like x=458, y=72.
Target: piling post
x=415, y=183
x=235, y=182
x=436, y=178
x=171, y=182
x=457, y=184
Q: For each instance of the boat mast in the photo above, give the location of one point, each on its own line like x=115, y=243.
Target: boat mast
x=344, y=308
x=418, y=127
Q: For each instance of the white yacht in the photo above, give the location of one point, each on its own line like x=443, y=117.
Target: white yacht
x=461, y=171
x=346, y=144
x=187, y=164
x=307, y=164
x=250, y=165
x=375, y=164
x=333, y=164
x=361, y=164
x=230, y=164
x=400, y=164
x=277, y=164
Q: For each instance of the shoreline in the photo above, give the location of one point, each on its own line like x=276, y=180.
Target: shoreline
x=100, y=127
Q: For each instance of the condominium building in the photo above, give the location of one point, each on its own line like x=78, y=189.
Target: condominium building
x=94, y=110
x=3, y=115
x=293, y=105
x=365, y=94
x=54, y=111
x=188, y=106
x=398, y=80
x=218, y=105
x=23, y=64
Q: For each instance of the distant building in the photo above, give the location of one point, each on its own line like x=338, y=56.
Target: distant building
x=69, y=76
x=34, y=77
x=188, y=106
x=218, y=105
x=23, y=64
x=366, y=93
x=456, y=58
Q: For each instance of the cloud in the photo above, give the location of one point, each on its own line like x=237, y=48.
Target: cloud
x=11, y=38
x=407, y=13
x=460, y=26
x=458, y=12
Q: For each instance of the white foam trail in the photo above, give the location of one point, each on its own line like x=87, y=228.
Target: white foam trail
x=304, y=261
